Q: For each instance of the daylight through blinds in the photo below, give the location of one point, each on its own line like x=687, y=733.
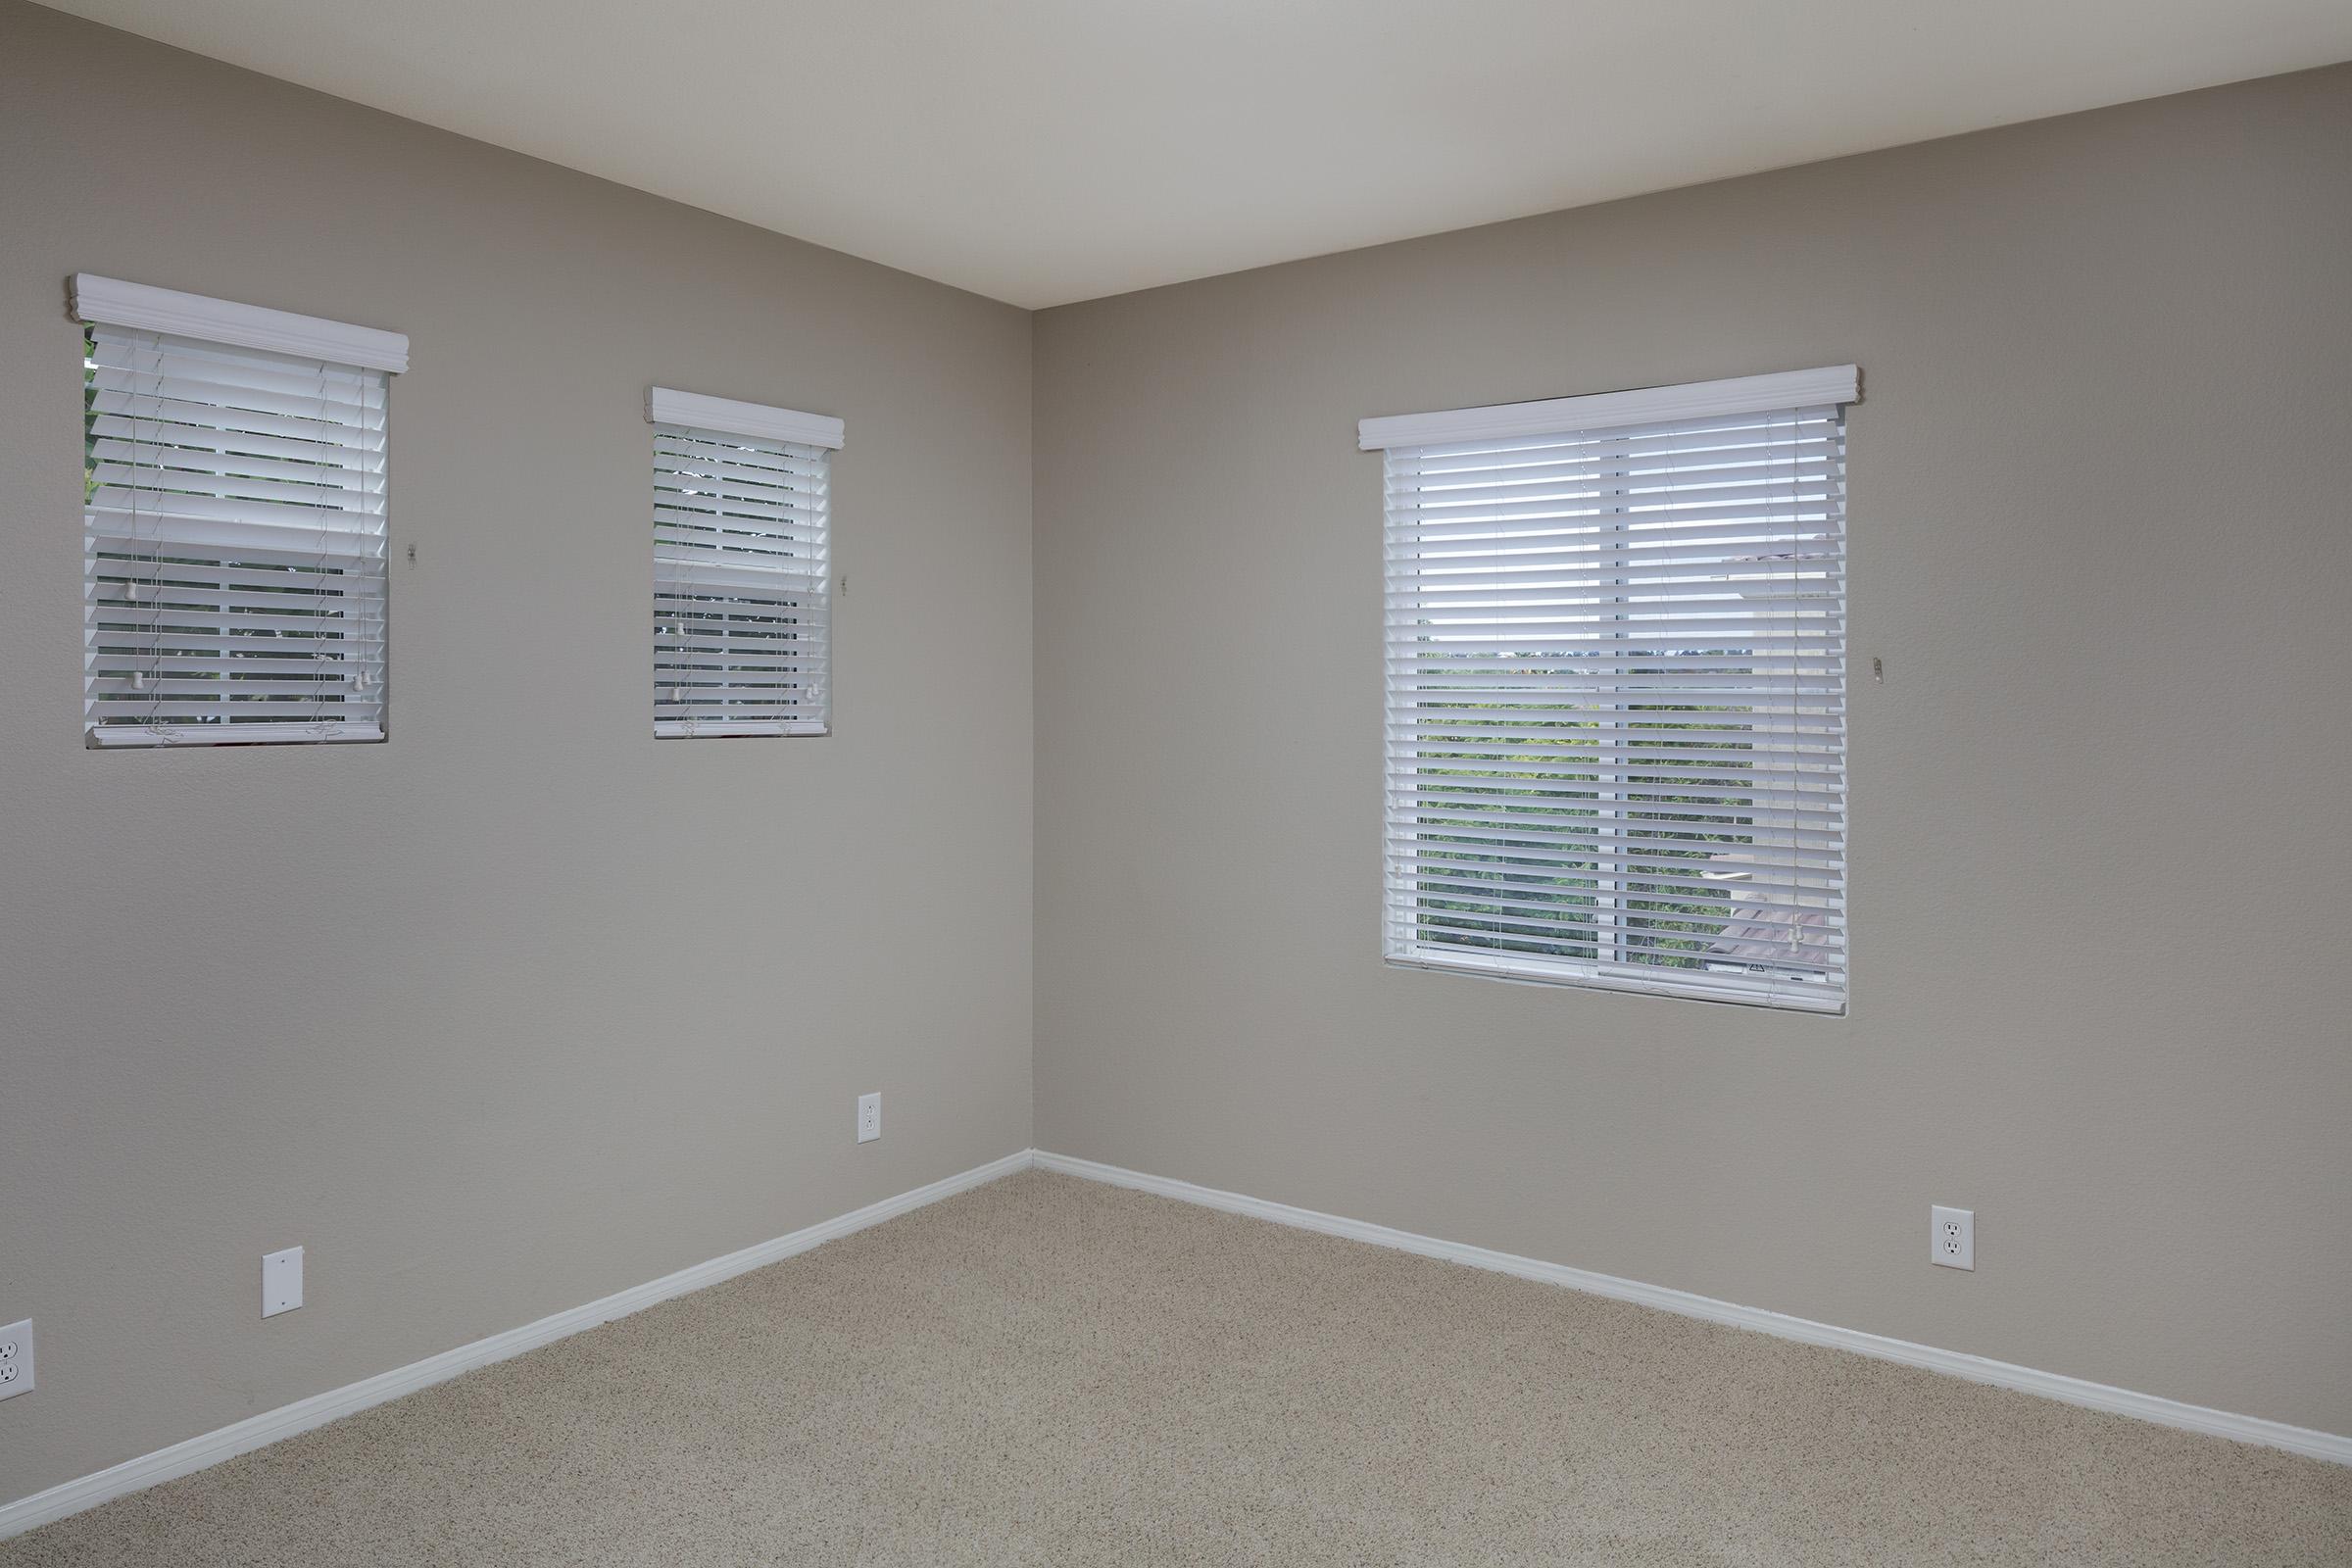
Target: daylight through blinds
x=742, y=611
x=232, y=543
x=1616, y=704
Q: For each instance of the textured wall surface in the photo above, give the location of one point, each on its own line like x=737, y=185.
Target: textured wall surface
x=2100, y=852
x=522, y=1007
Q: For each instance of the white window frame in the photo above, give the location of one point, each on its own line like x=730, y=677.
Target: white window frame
x=803, y=535
x=1808, y=753
x=208, y=323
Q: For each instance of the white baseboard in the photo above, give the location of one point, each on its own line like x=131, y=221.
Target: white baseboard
x=1975, y=1368
x=271, y=1426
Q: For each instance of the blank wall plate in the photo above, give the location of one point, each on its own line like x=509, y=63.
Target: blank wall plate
x=15, y=1359
x=870, y=1117
x=281, y=1282
x=1952, y=1238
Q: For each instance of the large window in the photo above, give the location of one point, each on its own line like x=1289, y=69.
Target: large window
x=232, y=521
x=1616, y=689
x=742, y=567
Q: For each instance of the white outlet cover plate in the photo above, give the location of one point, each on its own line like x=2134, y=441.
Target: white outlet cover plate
x=281, y=1282
x=1952, y=1238
x=870, y=1117
x=15, y=1359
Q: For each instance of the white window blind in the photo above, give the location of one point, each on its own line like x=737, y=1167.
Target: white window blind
x=232, y=521
x=741, y=567
x=1616, y=689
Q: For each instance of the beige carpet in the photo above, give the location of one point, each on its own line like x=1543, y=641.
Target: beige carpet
x=1051, y=1371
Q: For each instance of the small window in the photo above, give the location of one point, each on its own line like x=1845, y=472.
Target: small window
x=232, y=521
x=1616, y=689
x=742, y=567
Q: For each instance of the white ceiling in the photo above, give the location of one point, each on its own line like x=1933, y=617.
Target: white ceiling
x=1043, y=151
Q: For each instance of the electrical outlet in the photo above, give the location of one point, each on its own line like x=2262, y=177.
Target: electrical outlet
x=870, y=1117
x=281, y=1282
x=1952, y=1237
x=15, y=1359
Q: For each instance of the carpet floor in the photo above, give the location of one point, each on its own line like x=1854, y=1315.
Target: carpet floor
x=1047, y=1370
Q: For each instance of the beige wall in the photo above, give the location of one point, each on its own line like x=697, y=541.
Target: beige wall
x=521, y=1008
x=2101, y=852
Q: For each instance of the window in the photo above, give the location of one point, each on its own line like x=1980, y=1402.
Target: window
x=1616, y=689
x=232, y=521
x=742, y=567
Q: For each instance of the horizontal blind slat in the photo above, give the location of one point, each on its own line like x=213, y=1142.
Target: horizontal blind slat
x=148, y=436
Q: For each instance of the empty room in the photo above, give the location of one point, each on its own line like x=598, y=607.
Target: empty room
x=1426, y=782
